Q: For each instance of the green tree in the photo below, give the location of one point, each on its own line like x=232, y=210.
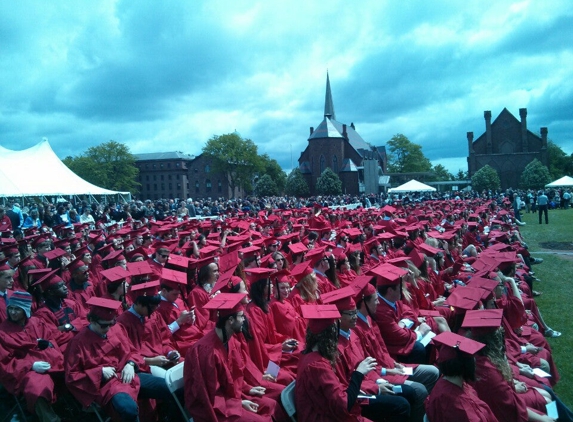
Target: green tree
x=329, y=183
x=441, y=174
x=535, y=176
x=406, y=156
x=560, y=164
x=485, y=178
x=461, y=175
x=234, y=156
x=274, y=170
x=109, y=165
x=266, y=186
x=296, y=184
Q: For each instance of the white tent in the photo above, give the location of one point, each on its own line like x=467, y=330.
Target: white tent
x=564, y=181
x=37, y=171
x=412, y=186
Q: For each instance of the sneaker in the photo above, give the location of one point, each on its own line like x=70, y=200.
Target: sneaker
x=535, y=261
x=551, y=333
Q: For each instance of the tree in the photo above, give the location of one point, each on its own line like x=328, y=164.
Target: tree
x=274, y=170
x=461, y=175
x=266, y=186
x=486, y=178
x=406, y=157
x=535, y=176
x=441, y=174
x=109, y=165
x=296, y=185
x=234, y=156
x=560, y=164
x=329, y=183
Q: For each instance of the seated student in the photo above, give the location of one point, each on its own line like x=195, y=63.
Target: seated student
x=286, y=319
x=30, y=358
x=99, y=366
x=215, y=386
x=319, y=394
x=305, y=292
x=6, y=284
x=80, y=289
x=453, y=399
x=200, y=295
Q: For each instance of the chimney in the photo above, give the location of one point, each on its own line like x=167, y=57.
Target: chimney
x=311, y=130
x=352, y=125
x=344, y=133
x=487, y=117
x=523, y=115
x=470, y=136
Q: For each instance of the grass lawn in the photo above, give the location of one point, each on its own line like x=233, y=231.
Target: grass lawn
x=556, y=275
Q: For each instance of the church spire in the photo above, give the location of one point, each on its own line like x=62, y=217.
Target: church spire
x=328, y=104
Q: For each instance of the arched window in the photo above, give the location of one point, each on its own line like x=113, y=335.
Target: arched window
x=197, y=186
x=207, y=168
x=208, y=185
x=219, y=186
x=335, y=163
x=322, y=164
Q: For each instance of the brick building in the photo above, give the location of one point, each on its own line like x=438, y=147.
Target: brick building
x=340, y=147
x=507, y=146
x=179, y=175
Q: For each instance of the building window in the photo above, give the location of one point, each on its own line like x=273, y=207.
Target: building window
x=154, y=177
x=178, y=185
x=161, y=165
x=148, y=188
x=177, y=164
x=207, y=168
x=155, y=186
x=169, y=177
x=335, y=163
x=168, y=165
x=219, y=186
x=177, y=177
x=322, y=164
x=154, y=165
x=170, y=185
x=162, y=177
x=196, y=186
x=196, y=170
x=147, y=177
x=208, y=185
x=162, y=187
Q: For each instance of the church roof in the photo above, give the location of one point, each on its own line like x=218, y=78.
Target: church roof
x=348, y=165
x=173, y=155
x=330, y=128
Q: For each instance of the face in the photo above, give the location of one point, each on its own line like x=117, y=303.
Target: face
x=171, y=295
x=43, y=248
x=348, y=319
x=213, y=273
x=87, y=258
x=283, y=290
x=130, y=248
x=372, y=304
x=161, y=257
x=6, y=280
x=59, y=290
x=243, y=290
x=237, y=322
x=15, y=314
x=102, y=327
x=82, y=274
x=280, y=261
x=324, y=265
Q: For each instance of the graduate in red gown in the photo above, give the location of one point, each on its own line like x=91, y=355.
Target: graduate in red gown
x=99, y=365
x=200, y=295
x=29, y=357
x=286, y=319
x=80, y=289
x=453, y=399
x=215, y=388
x=320, y=396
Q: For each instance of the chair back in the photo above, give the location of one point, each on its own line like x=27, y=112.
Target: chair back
x=287, y=399
x=174, y=377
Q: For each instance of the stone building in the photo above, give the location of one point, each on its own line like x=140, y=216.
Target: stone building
x=178, y=175
x=339, y=146
x=507, y=146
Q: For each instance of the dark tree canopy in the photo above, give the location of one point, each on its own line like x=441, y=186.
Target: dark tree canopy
x=266, y=186
x=535, y=176
x=276, y=173
x=486, y=178
x=329, y=183
x=560, y=164
x=296, y=184
x=406, y=156
x=109, y=165
x=441, y=174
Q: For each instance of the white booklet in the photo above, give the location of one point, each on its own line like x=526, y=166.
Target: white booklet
x=541, y=373
x=426, y=339
x=552, y=410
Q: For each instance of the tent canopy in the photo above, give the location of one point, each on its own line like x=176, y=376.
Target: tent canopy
x=37, y=171
x=564, y=181
x=412, y=186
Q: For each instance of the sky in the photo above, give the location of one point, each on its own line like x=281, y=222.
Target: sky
x=167, y=76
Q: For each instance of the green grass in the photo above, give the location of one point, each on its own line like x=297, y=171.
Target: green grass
x=556, y=275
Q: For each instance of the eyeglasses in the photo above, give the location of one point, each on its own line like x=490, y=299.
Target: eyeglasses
x=164, y=256
x=350, y=314
x=106, y=325
x=281, y=259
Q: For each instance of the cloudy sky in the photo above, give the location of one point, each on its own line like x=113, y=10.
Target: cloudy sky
x=165, y=76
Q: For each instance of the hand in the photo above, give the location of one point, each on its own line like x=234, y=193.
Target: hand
x=439, y=302
x=157, y=361
x=385, y=388
x=269, y=377
x=366, y=365
x=395, y=371
x=128, y=373
x=41, y=367
x=424, y=328
x=398, y=365
x=520, y=387
x=257, y=391
x=526, y=371
x=250, y=406
x=289, y=345
x=186, y=318
x=44, y=344
x=108, y=372
x=173, y=356
x=530, y=348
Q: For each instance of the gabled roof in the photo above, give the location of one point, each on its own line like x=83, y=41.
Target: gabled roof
x=330, y=128
x=173, y=155
x=304, y=167
x=348, y=165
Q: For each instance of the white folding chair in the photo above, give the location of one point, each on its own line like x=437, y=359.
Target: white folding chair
x=174, y=381
x=287, y=399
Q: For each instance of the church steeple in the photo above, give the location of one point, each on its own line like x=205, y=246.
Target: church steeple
x=328, y=103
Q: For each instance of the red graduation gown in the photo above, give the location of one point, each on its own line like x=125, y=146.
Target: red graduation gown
x=187, y=334
x=71, y=312
x=214, y=387
x=198, y=298
x=18, y=352
x=450, y=403
x=87, y=354
x=399, y=341
x=287, y=321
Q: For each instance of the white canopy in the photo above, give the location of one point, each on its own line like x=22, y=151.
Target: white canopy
x=412, y=186
x=564, y=181
x=37, y=171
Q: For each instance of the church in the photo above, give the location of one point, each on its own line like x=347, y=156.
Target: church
x=333, y=144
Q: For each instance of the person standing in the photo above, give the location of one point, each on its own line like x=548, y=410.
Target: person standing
x=542, y=204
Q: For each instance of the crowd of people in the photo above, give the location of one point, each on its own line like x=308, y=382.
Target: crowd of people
x=377, y=308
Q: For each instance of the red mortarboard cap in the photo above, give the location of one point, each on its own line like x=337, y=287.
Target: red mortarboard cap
x=250, y=251
x=301, y=270
x=427, y=249
x=483, y=321
x=200, y=263
x=48, y=280
x=9, y=249
x=139, y=268
x=226, y=303
x=315, y=255
x=388, y=274
x=416, y=258
x=137, y=252
x=76, y=264
x=283, y=276
x=208, y=251
x=226, y=282
x=149, y=288
x=38, y=273
x=362, y=287
x=177, y=262
x=342, y=298
x=56, y=253
x=370, y=244
x=228, y=261
x=115, y=274
x=174, y=279
x=104, y=309
x=450, y=343
x=483, y=283
x=257, y=273
x=464, y=298
x=320, y=317
x=297, y=248
x=114, y=256
x=4, y=265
